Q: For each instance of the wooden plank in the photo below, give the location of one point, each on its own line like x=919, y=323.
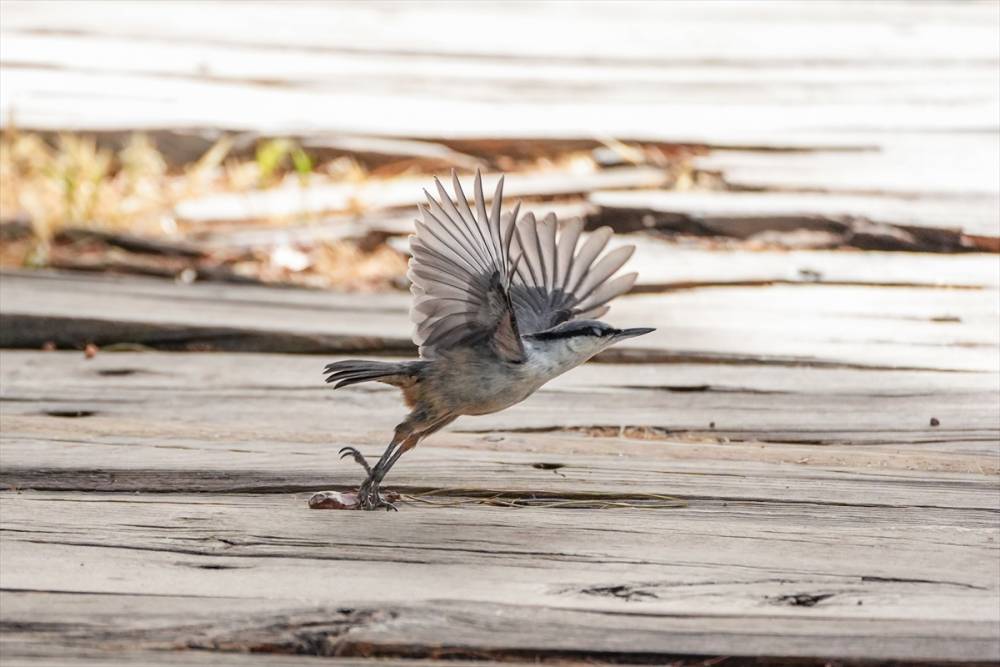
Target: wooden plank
x=38, y=654
x=915, y=165
x=745, y=214
x=613, y=88
x=824, y=325
x=160, y=313
x=703, y=417
x=292, y=200
x=392, y=224
x=770, y=555
x=712, y=591
x=491, y=633
x=38, y=98
x=182, y=55
x=862, y=32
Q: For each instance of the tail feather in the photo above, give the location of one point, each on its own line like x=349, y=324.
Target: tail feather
x=354, y=371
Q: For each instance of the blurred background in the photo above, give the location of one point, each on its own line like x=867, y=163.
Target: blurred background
x=288, y=142
x=744, y=147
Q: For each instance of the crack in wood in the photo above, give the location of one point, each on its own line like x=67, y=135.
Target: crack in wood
x=845, y=231
x=724, y=436
x=22, y=331
x=213, y=566
x=801, y=599
x=879, y=579
x=640, y=591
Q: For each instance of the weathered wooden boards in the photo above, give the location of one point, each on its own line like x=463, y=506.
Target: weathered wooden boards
x=803, y=465
x=156, y=501
x=722, y=74
x=824, y=98
x=777, y=549
x=913, y=222
x=615, y=409
x=260, y=573
x=913, y=181
x=292, y=200
x=906, y=164
x=160, y=313
x=849, y=322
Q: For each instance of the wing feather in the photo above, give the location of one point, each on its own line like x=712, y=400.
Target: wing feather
x=569, y=235
x=603, y=269
x=458, y=274
x=482, y=276
x=607, y=291
x=494, y=220
x=527, y=237
x=466, y=215
x=547, y=250
x=462, y=241
x=594, y=314
x=557, y=283
x=427, y=235
x=592, y=247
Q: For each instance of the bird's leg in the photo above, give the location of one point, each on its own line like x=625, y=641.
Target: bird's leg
x=406, y=437
x=369, y=496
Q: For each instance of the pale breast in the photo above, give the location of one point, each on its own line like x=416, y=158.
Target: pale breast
x=468, y=383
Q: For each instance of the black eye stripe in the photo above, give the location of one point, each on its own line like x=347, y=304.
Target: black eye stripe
x=556, y=335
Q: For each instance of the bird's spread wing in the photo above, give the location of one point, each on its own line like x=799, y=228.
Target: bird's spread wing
x=482, y=277
x=460, y=273
x=554, y=282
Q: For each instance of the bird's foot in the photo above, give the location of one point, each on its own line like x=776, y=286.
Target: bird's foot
x=371, y=498
x=368, y=497
x=358, y=457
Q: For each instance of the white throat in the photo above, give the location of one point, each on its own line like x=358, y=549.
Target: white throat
x=550, y=358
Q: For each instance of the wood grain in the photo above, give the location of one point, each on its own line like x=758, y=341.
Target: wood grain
x=800, y=322
x=290, y=201
x=782, y=69
x=158, y=501
x=681, y=595
x=746, y=214
x=800, y=467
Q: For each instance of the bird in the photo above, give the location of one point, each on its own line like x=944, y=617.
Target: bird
x=501, y=304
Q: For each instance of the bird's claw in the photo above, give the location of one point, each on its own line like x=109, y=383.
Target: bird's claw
x=358, y=457
x=369, y=498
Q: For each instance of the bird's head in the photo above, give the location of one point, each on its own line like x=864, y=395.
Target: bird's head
x=581, y=339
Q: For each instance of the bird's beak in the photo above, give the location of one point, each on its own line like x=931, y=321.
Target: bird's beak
x=632, y=333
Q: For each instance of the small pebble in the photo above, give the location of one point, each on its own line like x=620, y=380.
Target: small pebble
x=935, y=422
x=90, y=351
x=711, y=424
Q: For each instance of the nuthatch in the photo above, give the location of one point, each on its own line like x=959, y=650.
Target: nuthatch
x=501, y=306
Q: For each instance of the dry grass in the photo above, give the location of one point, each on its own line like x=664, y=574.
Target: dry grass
x=76, y=183
x=71, y=183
